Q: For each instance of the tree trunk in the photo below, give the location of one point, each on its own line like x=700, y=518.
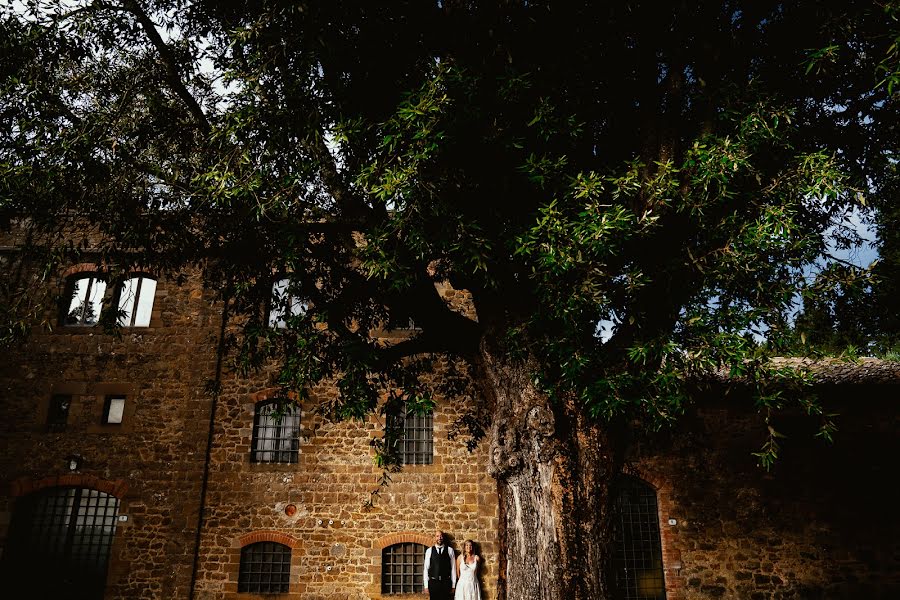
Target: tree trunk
x=553, y=468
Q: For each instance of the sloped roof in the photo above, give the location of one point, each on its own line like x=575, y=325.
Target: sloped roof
x=858, y=371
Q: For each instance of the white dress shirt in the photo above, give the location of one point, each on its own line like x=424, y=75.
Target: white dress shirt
x=449, y=551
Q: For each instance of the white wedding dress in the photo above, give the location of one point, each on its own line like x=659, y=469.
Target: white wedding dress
x=467, y=587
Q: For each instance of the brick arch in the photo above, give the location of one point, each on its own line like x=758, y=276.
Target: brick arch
x=271, y=393
x=84, y=268
x=669, y=535
x=25, y=486
x=404, y=537
x=268, y=535
x=655, y=481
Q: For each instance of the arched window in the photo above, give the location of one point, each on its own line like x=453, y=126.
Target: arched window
x=285, y=303
x=276, y=432
x=637, y=569
x=402, y=568
x=60, y=540
x=265, y=568
x=84, y=299
x=136, y=301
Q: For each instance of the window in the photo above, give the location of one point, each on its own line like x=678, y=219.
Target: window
x=58, y=412
x=401, y=568
x=60, y=540
x=276, y=432
x=136, y=301
x=84, y=300
x=417, y=443
x=285, y=304
x=265, y=568
x=114, y=410
x=637, y=551
x=86, y=291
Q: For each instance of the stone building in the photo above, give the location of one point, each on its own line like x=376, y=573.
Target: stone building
x=123, y=477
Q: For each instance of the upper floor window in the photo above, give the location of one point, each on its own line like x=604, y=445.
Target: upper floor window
x=58, y=412
x=285, y=303
x=136, y=301
x=60, y=540
x=276, y=432
x=86, y=292
x=265, y=568
x=85, y=299
x=114, y=409
x=417, y=443
x=637, y=569
x=401, y=568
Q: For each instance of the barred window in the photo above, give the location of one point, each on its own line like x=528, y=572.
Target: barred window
x=67, y=532
x=417, y=443
x=401, y=568
x=136, y=301
x=637, y=550
x=84, y=299
x=265, y=568
x=58, y=412
x=285, y=303
x=276, y=432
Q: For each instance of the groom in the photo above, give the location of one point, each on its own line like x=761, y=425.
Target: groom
x=440, y=569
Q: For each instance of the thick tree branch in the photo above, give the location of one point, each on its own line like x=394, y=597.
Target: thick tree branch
x=351, y=206
x=170, y=65
x=463, y=343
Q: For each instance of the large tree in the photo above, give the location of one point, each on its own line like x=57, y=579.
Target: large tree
x=629, y=193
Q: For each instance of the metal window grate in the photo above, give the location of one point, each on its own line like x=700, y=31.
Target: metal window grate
x=58, y=412
x=402, y=568
x=67, y=532
x=417, y=444
x=265, y=568
x=276, y=433
x=637, y=557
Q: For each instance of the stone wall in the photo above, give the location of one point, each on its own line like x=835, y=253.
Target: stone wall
x=339, y=541
x=153, y=461
x=821, y=524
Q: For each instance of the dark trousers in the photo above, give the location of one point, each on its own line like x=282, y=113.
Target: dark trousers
x=439, y=590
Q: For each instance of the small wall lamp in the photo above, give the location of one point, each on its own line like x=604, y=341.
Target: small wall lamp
x=73, y=462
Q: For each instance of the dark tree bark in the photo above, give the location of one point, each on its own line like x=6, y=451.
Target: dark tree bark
x=553, y=466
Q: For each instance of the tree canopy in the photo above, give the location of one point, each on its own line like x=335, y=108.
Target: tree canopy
x=631, y=194
x=620, y=197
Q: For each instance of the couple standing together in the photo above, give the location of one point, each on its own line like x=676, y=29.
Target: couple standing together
x=441, y=567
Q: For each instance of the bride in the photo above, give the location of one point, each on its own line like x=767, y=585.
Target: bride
x=467, y=565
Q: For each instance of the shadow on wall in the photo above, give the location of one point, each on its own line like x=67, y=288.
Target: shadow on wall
x=485, y=571
x=821, y=524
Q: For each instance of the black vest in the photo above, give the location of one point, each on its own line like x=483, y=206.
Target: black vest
x=439, y=565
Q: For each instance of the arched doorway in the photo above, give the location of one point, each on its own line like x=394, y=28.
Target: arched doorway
x=59, y=543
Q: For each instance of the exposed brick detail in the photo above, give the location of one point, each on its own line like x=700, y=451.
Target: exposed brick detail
x=404, y=537
x=267, y=535
x=86, y=267
x=270, y=393
x=671, y=557
x=25, y=486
